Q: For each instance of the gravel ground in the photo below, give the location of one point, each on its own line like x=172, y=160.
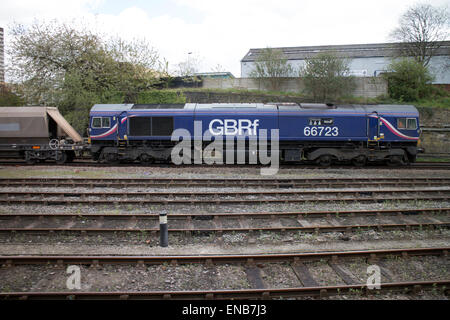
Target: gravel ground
x=206, y=221
x=206, y=172
x=208, y=208
x=191, y=277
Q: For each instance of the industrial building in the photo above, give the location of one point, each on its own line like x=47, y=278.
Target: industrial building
x=365, y=60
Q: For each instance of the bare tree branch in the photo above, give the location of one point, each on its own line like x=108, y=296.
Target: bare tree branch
x=421, y=30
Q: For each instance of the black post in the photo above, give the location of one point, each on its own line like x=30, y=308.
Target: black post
x=163, y=230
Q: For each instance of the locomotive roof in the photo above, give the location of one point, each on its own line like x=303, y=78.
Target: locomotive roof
x=385, y=108
x=111, y=107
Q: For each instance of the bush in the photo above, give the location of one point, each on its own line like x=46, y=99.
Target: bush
x=326, y=77
x=409, y=80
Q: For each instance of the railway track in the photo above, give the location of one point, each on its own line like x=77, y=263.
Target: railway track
x=226, y=182
x=213, y=197
x=214, y=215
x=225, y=222
x=375, y=190
x=264, y=294
x=300, y=265
x=417, y=165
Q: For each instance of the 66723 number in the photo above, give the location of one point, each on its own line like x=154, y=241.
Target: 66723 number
x=321, y=131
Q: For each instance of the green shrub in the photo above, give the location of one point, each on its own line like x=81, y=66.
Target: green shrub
x=326, y=77
x=409, y=80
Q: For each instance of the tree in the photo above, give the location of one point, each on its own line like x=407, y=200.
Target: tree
x=218, y=68
x=408, y=80
x=326, y=77
x=9, y=98
x=56, y=64
x=271, y=65
x=420, y=32
x=189, y=67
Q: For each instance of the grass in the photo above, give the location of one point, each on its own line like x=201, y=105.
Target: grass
x=439, y=102
x=6, y=173
x=432, y=159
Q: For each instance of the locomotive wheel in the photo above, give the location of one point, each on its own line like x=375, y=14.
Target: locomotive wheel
x=395, y=161
x=325, y=160
x=359, y=161
x=146, y=159
x=111, y=158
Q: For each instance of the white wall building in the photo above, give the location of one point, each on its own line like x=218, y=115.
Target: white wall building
x=365, y=60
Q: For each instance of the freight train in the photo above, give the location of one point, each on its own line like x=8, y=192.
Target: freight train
x=294, y=133
x=37, y=134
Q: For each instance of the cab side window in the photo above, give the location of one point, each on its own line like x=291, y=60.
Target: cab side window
x=101, y=122
x=96, y=122
x=411, y=123
x=106, y=122
x=407, y=123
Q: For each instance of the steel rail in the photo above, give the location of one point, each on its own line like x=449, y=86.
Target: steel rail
x=269, y=293
x=147, y=194
x=210, y=259
x=220, y=180
x=416, y=165
x=235, y=184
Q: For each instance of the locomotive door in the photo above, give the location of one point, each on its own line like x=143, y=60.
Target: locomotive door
x=122, y=126
x=373, y=127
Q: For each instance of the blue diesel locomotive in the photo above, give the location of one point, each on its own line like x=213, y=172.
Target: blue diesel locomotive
x=320, y=133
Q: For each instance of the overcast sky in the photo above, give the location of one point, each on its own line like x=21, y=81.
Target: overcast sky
x=222, y=31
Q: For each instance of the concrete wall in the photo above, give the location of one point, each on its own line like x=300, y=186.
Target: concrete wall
x=435, y=141
x=369, y=87
x=439, y=66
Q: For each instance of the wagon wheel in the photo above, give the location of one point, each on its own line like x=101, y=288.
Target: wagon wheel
x=31, y=161
x=324, y=160
x=61, y=158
